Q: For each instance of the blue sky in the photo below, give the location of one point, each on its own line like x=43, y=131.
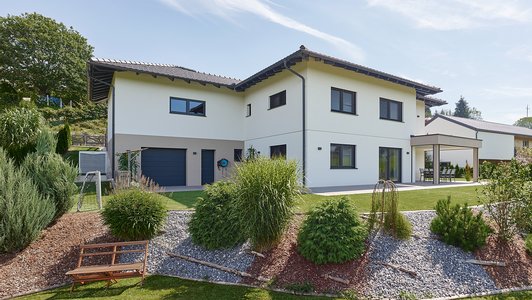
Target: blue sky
x=481, y=49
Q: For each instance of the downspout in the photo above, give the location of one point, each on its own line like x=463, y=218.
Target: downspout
x=112, y=122
x=304, y=137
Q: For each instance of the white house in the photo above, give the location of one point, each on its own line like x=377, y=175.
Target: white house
x=499, y=141
x=344, y=123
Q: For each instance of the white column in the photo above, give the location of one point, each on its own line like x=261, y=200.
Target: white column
x=436, y=164
x=475, y=164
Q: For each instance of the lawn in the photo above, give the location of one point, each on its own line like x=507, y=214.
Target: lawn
x=507, y=296
x=162, y=287
x=408, y=200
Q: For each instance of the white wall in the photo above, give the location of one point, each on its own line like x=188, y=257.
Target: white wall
x=496, y=146
x=458, y=157
x=365, y=130
x=441, y=126
x=142, y=108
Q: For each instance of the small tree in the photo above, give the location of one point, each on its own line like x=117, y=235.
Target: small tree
x=64, y=139
x=524, y=122
x=385, y=212
x=463, y=110
x=19, y=128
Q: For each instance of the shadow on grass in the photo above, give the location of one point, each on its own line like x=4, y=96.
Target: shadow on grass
x=182, y=200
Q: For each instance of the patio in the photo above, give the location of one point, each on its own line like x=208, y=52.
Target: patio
x=364, y=189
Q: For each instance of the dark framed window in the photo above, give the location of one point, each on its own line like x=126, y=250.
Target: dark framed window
x=187, y=106
x=278, y=99
x=343, y=156
x=248, y=110
x=343, y=101
x=237, y=155
x=391, y=110
x=278, y=151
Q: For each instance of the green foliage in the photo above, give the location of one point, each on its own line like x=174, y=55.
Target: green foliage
x=46, y=142
x=468, y=172
x=64, y=140
x=267, y=190
x=458, y=226
x=19, y=128
x=486, y=169
x=463, y=110
x=508, y=198
x=68, y=114
x=24, y=212
x=304, y=287
x=524, y=122
x=528, y=243
x=8, y=95
x=39, y=56
x=402, y=229
x=134, y=214
x=405, y=295
x=332, y=233
x=54, y=177
x=214, y=224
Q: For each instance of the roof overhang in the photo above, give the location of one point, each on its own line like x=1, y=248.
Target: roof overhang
x=445, y=140
x=100, y=80
x=431, y=101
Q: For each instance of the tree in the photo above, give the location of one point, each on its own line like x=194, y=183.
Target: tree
x=463, y=110
x=39, y=57
x=428, y=112
x=524, y=122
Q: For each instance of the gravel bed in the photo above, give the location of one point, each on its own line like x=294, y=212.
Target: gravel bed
x=176, y=239
x=440, y=268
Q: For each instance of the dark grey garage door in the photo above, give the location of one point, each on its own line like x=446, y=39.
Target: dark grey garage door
x=167, y=167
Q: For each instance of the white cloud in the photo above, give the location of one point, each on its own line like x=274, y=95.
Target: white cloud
x=458, y=14
x=228, y=8
x=520, y=53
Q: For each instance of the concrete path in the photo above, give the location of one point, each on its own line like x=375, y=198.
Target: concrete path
x=365, y=189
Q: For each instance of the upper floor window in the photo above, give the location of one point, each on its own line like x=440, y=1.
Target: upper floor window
x=278, y=99
x=343, y=156
x=343, y=101
x=248, y=110
x=391, y=110
x=278, y=151
x=187, y=106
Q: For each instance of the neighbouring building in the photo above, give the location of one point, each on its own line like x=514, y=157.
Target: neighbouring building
x=344, y=123
x=499, y=141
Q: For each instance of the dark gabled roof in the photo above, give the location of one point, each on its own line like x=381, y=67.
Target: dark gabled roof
x=304, y=53
x=101, y=74
x=431, y=101
x=486, y=126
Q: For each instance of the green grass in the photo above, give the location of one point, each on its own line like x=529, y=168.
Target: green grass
x=162, y=287
x=507, y=296
x=408, y=200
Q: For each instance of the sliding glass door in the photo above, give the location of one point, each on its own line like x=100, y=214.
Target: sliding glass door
x=390, y=164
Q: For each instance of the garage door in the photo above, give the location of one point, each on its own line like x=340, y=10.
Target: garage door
x=167, y=167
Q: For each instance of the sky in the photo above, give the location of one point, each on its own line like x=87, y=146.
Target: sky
x=478, y=49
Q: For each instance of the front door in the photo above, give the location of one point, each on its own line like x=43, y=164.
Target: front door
x=207, y=166
x=390, y=164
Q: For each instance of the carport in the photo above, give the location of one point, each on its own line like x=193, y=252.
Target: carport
x=439, y=142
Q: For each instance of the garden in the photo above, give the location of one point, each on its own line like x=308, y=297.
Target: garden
x=257, y=234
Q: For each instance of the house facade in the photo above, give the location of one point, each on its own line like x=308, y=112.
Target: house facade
x=344, y=123
x=500, y=142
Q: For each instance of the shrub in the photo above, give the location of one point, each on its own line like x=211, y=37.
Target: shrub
x=332, y=233
x=267, y=190
x=528, y=243
x=468, y=172
x=402, y=229
x=19, y=128
x=486, y=169
x=458, y=226
x=214, y=224
x=300, y=287
x=64, y=139
x=54, y=177
x=24, y=212
x=46, y=142
x=134, y=214
x=507, y=198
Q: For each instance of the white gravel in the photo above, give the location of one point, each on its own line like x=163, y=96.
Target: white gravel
x=440, y=268
x=176, y=239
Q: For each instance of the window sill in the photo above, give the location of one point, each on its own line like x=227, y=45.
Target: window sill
x=344, y=112
x=345, y=168
x=185, y=114
x=277, y=107
x=397, y=121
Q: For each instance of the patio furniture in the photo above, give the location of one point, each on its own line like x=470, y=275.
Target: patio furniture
x=427, y=173
x=452, y=175
x=113, y=271
x=445, y=174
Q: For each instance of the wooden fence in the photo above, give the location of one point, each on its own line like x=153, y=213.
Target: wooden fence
x=88, y=140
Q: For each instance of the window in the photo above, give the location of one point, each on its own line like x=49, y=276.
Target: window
x=278, y=151
x=391, y=110
x=237, y=155
x=248, y=110
x=278, y=99
x=343, y=156
x=187, y=106
x=525, y=144
x=343, y=101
